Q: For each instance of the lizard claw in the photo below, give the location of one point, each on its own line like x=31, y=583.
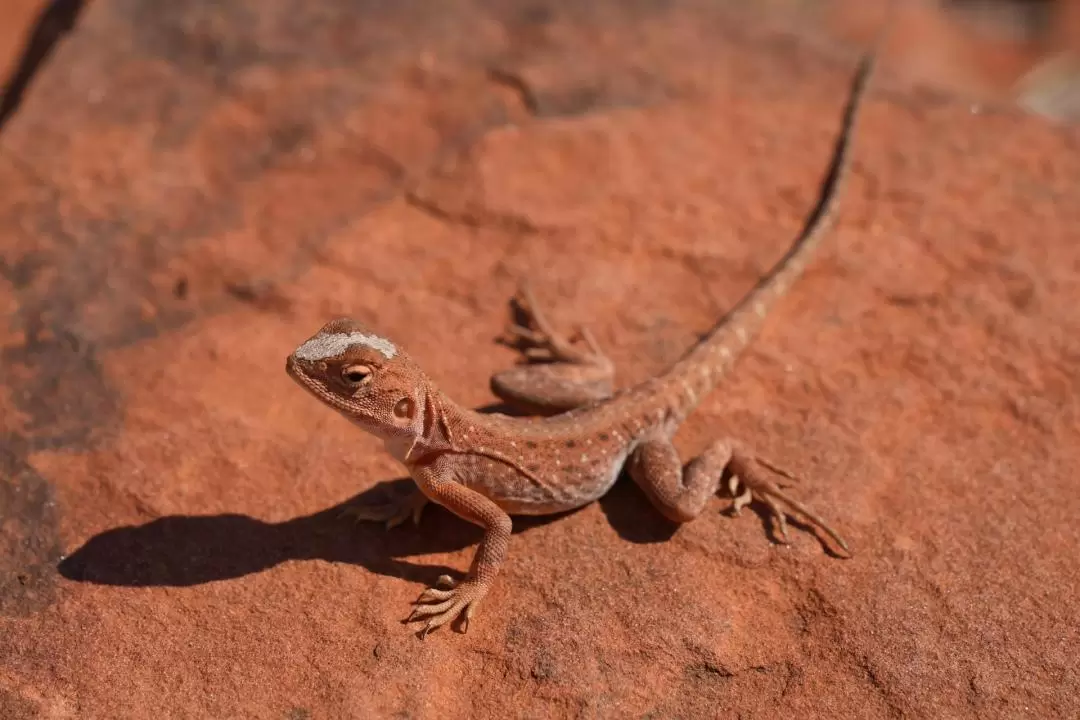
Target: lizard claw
x=739, y=499
x=749, y=483
x=538, y=340
x=443, y=589
x=768, y=465
x=445, y=602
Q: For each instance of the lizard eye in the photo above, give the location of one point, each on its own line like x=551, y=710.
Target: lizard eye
x=356, y=374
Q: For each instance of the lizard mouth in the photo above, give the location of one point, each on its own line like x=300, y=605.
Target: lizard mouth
x=293, y=370
x=292, y=366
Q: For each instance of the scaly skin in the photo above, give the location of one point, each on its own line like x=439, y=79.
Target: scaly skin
x=487, y=467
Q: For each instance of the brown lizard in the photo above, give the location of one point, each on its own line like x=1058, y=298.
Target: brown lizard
x=487, y=467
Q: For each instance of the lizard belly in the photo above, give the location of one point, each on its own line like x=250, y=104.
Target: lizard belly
x=543, y=487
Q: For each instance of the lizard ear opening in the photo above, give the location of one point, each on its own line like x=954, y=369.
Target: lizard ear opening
x=405, y=409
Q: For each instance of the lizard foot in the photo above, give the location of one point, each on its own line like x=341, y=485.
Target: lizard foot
x=392, y=513
x=539, y=340
x=748, y=481
x=445, y=601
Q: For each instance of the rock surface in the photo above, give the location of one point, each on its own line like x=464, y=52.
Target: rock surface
x=191, y=188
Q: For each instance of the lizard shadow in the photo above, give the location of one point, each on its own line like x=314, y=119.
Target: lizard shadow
x=186, y=550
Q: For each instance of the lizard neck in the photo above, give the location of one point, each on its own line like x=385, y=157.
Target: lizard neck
x=451, y=429
x=433, y=436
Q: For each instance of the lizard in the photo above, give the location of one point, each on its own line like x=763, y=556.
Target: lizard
x=580, y=433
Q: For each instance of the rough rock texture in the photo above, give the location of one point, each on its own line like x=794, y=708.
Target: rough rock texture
x=191, y=188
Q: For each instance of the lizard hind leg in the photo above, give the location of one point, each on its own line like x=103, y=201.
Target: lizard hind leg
x=681, y=496
x=568, y=375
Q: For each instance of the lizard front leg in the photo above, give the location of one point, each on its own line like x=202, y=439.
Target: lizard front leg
x=448, y=599
x=569, y=377
x=681, y=497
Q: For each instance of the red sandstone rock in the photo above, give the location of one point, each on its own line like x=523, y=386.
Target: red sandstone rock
x=189, y=191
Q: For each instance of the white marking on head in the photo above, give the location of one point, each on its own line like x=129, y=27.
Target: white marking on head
x=321, y=347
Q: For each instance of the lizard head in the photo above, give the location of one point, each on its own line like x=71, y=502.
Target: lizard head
x=366, y=378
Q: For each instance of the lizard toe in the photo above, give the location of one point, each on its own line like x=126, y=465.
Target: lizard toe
x=754, y=485
x=444, y=605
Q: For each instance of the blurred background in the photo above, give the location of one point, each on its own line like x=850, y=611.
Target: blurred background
x=1024, y=51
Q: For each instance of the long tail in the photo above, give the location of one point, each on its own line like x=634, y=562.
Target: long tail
x=704, y=364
